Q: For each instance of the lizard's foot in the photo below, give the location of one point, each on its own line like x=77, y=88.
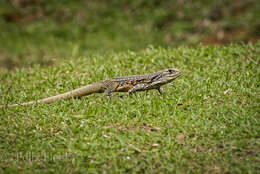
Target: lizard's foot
x=160, y=90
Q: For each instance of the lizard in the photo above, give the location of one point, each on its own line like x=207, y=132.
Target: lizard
x=130, y=84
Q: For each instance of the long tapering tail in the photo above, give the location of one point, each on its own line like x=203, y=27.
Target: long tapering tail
x=85, y=90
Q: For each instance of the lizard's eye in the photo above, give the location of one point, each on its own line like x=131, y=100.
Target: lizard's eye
x=170, y=71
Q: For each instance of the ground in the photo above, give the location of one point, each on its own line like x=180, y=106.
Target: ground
x=208, y=122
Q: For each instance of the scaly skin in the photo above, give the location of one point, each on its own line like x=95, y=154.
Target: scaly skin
x=128, y=84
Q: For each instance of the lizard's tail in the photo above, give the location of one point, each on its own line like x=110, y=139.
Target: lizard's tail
x=85, y=90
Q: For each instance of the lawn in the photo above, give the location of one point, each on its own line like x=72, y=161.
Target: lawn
x=207, y=122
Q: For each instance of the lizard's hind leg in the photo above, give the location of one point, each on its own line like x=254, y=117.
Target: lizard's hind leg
x=108, y=92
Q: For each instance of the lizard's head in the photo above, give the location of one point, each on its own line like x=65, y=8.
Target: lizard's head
x=171, y=74
x=165, y=76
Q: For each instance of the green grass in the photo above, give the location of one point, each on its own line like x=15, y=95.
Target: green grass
x=208, y=122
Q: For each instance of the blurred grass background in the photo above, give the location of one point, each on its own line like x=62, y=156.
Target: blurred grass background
x=46, y=31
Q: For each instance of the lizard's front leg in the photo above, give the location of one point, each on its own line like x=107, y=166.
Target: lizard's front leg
x=155, y=85
x=160, y=90
x=138, y=87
